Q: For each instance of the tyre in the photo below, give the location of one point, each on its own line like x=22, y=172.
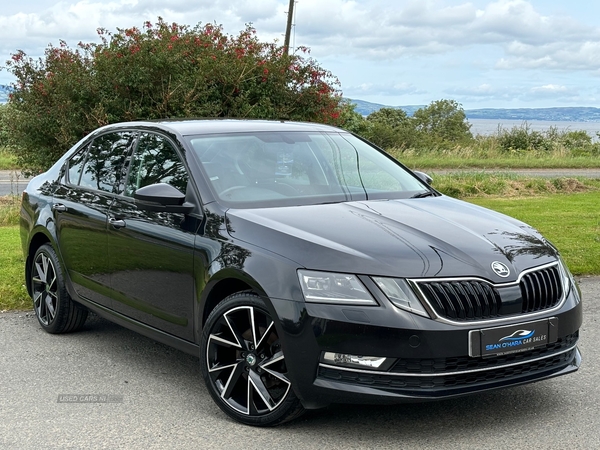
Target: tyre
x=243, y=365
x=55, y=310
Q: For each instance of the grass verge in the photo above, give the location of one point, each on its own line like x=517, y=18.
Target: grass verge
x=564, y=210
x=479, y=184
x=8, y=161
x=13, y=294
x=571, y=222
x=527, y=161
x=9, y=210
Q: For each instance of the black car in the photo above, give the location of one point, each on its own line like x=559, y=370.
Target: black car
x=303, y=265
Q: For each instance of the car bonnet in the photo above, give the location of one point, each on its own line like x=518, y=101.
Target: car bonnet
x=415, y=238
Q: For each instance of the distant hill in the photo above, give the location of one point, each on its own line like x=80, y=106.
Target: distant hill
x=571, y=114
x=365, y=108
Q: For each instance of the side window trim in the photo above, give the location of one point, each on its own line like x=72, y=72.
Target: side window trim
x=172, y=145
x=84, y=150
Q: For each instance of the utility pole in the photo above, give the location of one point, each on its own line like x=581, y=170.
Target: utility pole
x=288, y=29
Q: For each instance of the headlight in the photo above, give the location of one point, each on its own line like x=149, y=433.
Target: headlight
x=339, y=288
x=400, y=294
x=566, y=276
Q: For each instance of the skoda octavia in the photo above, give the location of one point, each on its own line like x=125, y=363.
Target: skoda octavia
x=301, y=264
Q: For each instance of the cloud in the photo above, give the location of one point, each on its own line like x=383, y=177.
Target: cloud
x=383, y=30
x=495, y=94
x=372, y=29
x=583, y=55
x=78, y=21
x=427, y=48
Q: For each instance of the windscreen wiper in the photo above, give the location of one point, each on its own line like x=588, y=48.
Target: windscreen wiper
x=424, y=194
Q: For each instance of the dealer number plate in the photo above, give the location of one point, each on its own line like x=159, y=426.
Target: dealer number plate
x=510, y=339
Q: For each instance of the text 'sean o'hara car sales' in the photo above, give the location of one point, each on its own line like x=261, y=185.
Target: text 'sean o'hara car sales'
x=301, y=264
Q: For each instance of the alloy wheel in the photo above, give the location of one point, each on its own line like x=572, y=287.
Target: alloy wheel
x=245, y=363
x=45, y=289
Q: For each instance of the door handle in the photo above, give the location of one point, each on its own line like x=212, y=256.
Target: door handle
x=117, y=223
x=59, y=207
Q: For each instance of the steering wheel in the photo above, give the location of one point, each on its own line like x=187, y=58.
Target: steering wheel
x=231, y=189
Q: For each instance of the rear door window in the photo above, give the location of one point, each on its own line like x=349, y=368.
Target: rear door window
x=104, y=165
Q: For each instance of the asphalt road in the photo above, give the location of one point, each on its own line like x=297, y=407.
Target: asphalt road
x=12, y=182
x=158, y=401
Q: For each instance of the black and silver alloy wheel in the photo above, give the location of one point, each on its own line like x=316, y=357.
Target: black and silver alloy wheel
x=54, y=308
x=243, y=363
x=44, y=288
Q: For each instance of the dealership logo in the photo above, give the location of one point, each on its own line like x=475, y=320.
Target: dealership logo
x=518, y=335
x=520, y=339
x=500, y=269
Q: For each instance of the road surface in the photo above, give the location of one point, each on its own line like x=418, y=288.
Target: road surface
x=158, y=401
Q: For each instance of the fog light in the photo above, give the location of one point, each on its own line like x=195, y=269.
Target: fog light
x=354, y=360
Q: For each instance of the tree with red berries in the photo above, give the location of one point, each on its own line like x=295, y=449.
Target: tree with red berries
x=160, y=71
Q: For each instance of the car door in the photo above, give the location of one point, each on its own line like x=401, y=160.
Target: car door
x=151, y=254
x=80, y=207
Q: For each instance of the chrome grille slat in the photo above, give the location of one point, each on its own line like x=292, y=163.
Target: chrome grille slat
x=541, y=289
x=475, y=299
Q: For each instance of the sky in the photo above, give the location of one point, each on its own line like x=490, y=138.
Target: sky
x=481, y=53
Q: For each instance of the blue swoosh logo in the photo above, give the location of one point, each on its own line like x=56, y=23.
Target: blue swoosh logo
x=517, y=335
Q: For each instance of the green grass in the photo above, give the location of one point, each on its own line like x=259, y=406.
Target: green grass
x=13, y=294
x=566, y=211
x=526, y=161
x=9, y=210
x=570, y=222
x=8, y=161
x=480, y=184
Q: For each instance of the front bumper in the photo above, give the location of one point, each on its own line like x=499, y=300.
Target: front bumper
x=428, y=359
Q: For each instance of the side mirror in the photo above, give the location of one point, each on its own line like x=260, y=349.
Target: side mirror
x=162, y=197
x=423, y=177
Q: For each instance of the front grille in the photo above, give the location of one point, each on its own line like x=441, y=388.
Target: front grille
x=463, y=300
x=527, y=364
x=541, y=289
x=471, y=300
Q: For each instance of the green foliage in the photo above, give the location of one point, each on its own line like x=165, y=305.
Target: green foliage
x=390, y=127
x=162, y=71
x=351, y=120
x=3, y=132
x=390, y=117
x=524, y=139
x=443, y=121
x=440, y=125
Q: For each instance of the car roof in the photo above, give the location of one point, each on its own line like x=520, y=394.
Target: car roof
x=186, y=127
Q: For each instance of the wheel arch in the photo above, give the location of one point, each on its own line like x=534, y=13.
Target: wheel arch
x=223, y=284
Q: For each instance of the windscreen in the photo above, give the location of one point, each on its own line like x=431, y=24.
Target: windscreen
x=265, y=169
